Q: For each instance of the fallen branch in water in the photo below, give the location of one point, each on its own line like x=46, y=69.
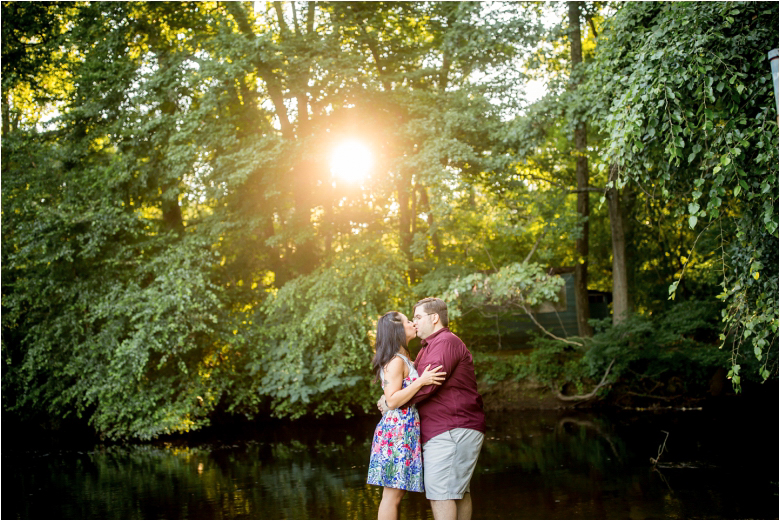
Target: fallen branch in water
x=655, y=397
x=661, y=448
x=654, y=461
x=590, y=395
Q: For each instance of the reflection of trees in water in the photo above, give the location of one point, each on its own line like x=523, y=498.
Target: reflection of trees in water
x=540, y=465
x=545, y=446
x=592, y=425
x=256, y=480
x=550, y=466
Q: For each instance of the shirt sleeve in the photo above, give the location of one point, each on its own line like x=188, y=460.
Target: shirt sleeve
x=444, y=356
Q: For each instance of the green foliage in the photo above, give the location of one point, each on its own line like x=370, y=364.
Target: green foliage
x=171, y=245
x=494, y=368
x=310, y=345
x=684, y=93
x=677, y=347
x=517, y=286
x=174, y=244
x=656, y=358
x=482, y=305
x=556, y=364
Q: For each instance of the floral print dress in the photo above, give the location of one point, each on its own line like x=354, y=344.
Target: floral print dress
x=396, y=452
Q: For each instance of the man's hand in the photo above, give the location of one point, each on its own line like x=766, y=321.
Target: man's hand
x=382, y=405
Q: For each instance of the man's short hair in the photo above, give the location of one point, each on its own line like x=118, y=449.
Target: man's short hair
x=434, y=305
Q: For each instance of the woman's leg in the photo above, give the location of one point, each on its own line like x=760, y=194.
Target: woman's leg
x=391, y=500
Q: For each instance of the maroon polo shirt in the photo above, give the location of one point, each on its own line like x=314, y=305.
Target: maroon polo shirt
x=456, y=403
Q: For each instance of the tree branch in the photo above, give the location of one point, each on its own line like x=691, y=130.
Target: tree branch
x=295, y=18
x=565, y=188
x=585, y=397
x=536, y=244
x=310, y=18
x=531, y=316
x=372, y=46
x=592, y=25
x=273, y=84
x=280, y=16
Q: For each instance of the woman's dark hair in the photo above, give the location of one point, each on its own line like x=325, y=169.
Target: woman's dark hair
x=390, y=336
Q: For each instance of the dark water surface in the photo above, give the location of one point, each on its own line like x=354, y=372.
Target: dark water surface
x=534, y=465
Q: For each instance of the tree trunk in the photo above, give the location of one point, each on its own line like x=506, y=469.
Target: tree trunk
x=620, y=305
x=426, y=207
x=583, y=206
x=169, y=186
x=6, y=114
x=628, y=197
x=404, y=185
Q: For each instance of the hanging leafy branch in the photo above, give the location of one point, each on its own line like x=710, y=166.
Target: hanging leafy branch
x=684, y=93
x=516, y=288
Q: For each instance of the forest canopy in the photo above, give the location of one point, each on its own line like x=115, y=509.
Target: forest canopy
x=207, y=205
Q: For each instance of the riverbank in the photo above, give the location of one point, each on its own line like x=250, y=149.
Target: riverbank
x=503, y=396
x=527, y=394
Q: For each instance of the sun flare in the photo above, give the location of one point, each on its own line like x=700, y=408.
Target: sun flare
x=351, y=161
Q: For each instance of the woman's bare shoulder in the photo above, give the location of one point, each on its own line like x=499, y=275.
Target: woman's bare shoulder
x=395, y=365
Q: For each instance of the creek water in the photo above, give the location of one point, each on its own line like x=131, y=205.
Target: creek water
x=533, y=465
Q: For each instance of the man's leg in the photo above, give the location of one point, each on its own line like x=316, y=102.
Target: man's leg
x=444, y=509
x=438, y=454
x=465, y=461
x=464, y=506
x=449, y=461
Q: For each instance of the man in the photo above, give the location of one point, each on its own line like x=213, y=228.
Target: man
x=452, y=420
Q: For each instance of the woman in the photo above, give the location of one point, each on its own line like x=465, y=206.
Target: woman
x=396, y=453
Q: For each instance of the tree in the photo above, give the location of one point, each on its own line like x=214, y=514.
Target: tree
x=159, y=234
x=688, y=109
x=583, y=197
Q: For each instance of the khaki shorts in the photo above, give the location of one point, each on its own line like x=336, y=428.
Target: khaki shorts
x=448, y=463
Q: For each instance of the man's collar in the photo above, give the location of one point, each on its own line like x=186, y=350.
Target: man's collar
x=426, y=341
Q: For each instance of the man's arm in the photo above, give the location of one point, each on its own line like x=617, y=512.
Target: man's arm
x=443, y=356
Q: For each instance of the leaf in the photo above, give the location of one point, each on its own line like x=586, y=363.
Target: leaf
x=693, y=207
x=692, y=220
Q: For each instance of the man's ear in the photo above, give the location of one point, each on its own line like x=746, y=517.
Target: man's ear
x=436, y=320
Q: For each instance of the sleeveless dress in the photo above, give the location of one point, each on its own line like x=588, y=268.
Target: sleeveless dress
x=396, y=452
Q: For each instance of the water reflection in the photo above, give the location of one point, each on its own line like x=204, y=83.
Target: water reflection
x=539, y=465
